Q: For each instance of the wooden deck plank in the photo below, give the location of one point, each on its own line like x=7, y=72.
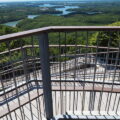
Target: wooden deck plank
x=24, y=101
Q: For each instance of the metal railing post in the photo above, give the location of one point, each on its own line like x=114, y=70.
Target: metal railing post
x=24, y=52
x=45, y=66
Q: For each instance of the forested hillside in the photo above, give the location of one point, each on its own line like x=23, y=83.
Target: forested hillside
x=102, y=37
x=7, y=30
x=73, y=20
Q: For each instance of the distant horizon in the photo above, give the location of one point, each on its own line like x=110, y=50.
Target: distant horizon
x=47, y=0
x=27, y=0
x=22, y=0
x=35, y=0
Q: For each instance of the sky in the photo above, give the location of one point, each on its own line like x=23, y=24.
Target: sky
x=23, y=0
x=35, y=0
x=15, y=0
x=26, y=0
x=20, y=0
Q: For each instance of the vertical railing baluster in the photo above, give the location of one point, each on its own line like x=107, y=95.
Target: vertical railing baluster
x=26, y=77
x=45, y=65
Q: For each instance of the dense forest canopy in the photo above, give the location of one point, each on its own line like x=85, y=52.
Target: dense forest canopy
x=7, y=30
x=91, y=11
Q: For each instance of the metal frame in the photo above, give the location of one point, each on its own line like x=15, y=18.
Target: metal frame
x=45, y=66
x=61, y=93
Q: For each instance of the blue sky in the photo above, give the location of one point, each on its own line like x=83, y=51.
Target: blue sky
x=24, y=0
x=28, y=0
x=15, y=0
x=39, y=0
x=20, y=0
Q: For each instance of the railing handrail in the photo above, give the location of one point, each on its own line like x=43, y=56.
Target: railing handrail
x=68, y=45
x=34, y=66
x=56, y=29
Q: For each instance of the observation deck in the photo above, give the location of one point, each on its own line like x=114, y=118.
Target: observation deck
x=57, y=73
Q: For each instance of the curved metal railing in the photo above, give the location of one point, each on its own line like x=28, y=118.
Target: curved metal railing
x=57, y=70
